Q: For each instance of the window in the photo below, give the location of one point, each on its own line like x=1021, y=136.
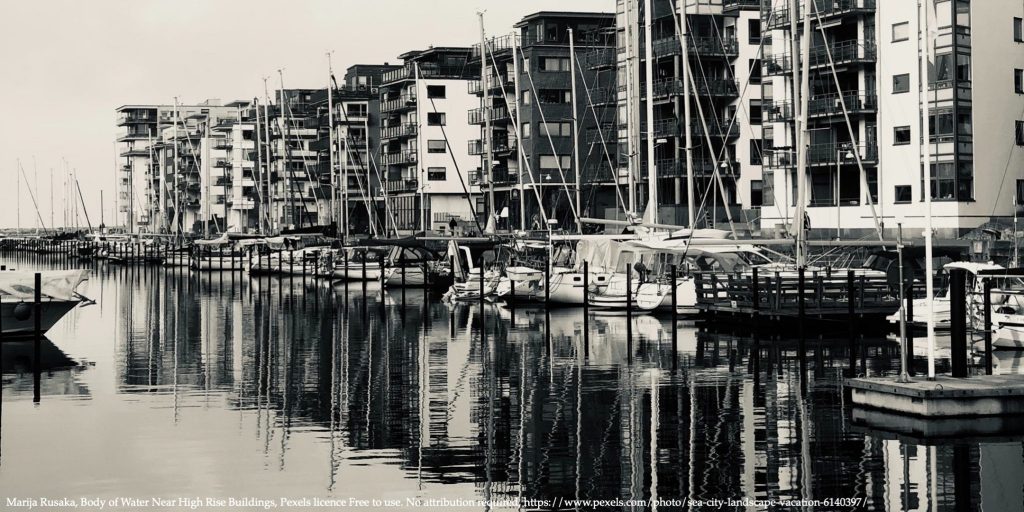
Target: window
x=900, y=31
x=755, y=71
x=435, y=91
x=756, y=193
x=943, y=70
x=903, y=194
x=900, y=135
x=554, y=96
x=1018, y=30
x=871, y=177
x=554, y=64
x=436, y=146
x=526, y=131
x=1018, y=81
x=1020, y=133
x=526, y=97
x=900, y=83
x=755, y=151
x=355, y=109
x=963, y=13
x=754, y=30
x=755, y=112
x=437, y=173
x=963, y=67
x=555, y=129
x=940, y=125
x=768, y=189
x=436, y=119
x=963, y=123
x=552, y=163
x=943, y=182
x=965, y=181
x=1019, y=197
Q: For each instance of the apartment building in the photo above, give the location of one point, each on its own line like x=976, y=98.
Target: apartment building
x=163, y=190
x=353, y=188
x=865, y=123
x=724, y=127
x=425, y=126
x=532, y=166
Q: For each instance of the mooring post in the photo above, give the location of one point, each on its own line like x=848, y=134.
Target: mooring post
x=547, y=282
x=851, y=321
x=801, y=318
x=37, y=320
x=363, y=280
x=629, y=311
x=987, y=304
x=382, y=278
x=910, y=329
x=755, y=295
x=512, y=303
x=291, y=263
x=958, y=322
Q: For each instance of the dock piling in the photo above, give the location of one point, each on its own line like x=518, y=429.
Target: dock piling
x=958, y=322
x=987, y=298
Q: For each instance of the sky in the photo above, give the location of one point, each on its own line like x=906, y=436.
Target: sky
x=67, y=64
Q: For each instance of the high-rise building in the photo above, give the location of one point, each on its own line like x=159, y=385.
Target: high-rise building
x=425, y=109
x=533, y=165
x=865, y=123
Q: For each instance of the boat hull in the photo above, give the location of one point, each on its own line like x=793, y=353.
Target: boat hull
x=52, y=312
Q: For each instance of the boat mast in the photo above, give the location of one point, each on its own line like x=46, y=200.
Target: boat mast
x=271, y=219
x=687, y=132
x=575, y=132
x=801, y=83
x=519, y=134
x=630, y=125
x=652, y=172
x=206, y=179
x=174, y=171
x=925, y=39
x=51, y=197
x=335, y=213
x=421, y=182
x=488, y=138
x=18, y=196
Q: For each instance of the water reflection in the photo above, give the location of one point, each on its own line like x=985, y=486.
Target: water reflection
x=302, y=388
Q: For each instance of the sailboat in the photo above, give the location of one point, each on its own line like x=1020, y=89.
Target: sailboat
x=59, y=295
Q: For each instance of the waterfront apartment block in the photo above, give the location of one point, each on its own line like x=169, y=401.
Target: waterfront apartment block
x=425, y=124
x=723, y=128
x=866, y=144
x=532, y=115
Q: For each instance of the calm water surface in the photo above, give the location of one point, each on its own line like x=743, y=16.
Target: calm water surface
x=185, y=384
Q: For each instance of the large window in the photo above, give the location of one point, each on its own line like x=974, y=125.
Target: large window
x=355, y=109
x=554, y=95
x=436, y=119
x=903, y=194
x=755, y=112
x=900, y=83
x=754, y=30
x=1019, y=132
x=756, y=193
x=900, y=135
x=768, y=189
x=900, y=31
x=1018, y=81
x=755, y=70
x=436, y=146
x=1019, y=197
x=554, y=64
x=755, y=151
x=555, y=129
x=940, y=125
x=435, y=91
x=550, y=162
x=943, y=181
x=1018, y=30
x=437, y=173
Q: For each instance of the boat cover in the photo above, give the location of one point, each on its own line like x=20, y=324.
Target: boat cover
x=56, y=284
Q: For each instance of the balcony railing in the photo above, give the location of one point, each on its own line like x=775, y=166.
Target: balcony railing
x=406, y=100
x=825, y=105
x=702, y=167
x=715, y=87
x=598, y=58
x=494, y=83
x=407, y=156
x=736, y=5
x=843, y=52
x=698, y=46
x=828, y=154
x=402, y=185
x=401, y=131
x=779, y=18
x=427, y=70
x=476, y=116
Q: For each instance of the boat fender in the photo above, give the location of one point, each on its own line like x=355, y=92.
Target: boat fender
x=22, y=311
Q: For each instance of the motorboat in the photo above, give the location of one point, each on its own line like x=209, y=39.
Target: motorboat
x=58, y=295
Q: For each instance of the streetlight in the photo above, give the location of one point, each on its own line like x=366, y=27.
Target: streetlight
x=839, y=160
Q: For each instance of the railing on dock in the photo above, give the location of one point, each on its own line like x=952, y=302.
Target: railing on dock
x=825, y=293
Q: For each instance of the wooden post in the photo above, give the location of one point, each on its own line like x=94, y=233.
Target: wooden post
x=675, y=309
x=801, y=318
x=629, y=311
x=851, y=322
x=910, y=329
x=37, y=319
x=988, y=324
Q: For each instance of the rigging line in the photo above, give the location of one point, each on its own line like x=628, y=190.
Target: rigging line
x=195, y=158
x=600, y=133
x=513, y=115
x=458, y=172
x=707, y=137
x=264, y=212
x=758, y=55
x=849, y=125
x=32, y=195
x=309, y=178
x=282, y=126
x=551, y=142
x=364, y=192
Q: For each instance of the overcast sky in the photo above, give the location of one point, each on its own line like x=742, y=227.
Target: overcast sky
x=67, y=64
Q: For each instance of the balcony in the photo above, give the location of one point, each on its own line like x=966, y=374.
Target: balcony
x=711, y=87
x=727, y=47
x=777, y=111
x=775, y=65
x=135, y=118
x=223, y=145
x=405, y=101
x=401, y=185
x=477, y=147
x=494, y=83
x=598, y=58
x=427, y=70
x=852, y=51
x=823, y=9
x=222, y=163
x=133, y=135
x=495, y=45
x=702, y=168
x=828, y=154
x=730, y=6
x=498, y=114
x=401, y=131
x=832, y=104
x=403, y=157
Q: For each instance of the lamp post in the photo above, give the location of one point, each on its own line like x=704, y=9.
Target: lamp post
x=840, y=156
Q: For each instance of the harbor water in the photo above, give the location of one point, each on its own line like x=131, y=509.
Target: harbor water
x=180, y=384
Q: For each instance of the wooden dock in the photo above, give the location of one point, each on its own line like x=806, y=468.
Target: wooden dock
x=944, y=397
x=818, y=295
